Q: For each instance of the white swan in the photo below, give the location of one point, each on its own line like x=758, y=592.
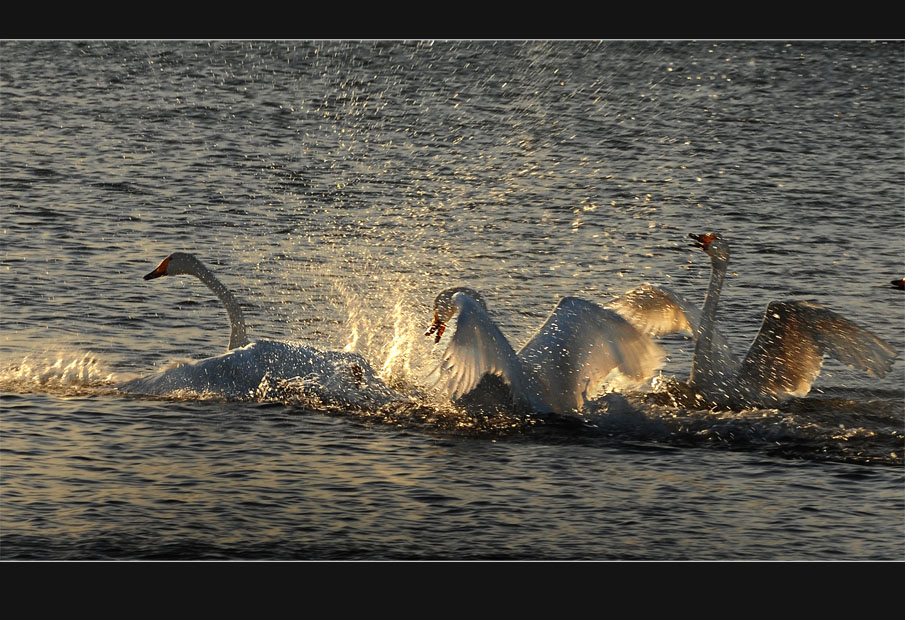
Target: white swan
x=252, y=369
x=785, y=357
x=568, y=359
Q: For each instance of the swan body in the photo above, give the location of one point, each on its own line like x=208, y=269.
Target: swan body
x=569, y=358
x=786, y=356
x=249, y=369
x=248, y=373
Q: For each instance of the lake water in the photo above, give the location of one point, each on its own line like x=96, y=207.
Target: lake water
x=336, y=187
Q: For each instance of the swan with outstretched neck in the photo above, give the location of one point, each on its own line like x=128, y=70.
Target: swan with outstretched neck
x=249, y=369
x=786, y=356
x=568, y=359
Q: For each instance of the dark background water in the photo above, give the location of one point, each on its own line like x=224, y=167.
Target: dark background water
x=336, y=187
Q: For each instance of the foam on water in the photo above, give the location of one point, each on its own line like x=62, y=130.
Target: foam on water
x=68, y=372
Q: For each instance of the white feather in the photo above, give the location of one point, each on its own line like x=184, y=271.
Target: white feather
x=569, y=358
x=580, y=345
x=478, y=347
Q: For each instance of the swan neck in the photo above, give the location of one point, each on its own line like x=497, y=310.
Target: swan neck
x=702, y=364
x=717, y=275
x=237, y=333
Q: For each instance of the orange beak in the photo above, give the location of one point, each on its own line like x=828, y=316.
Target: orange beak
x=437, y=326
x=703, y=241
x=160, y=271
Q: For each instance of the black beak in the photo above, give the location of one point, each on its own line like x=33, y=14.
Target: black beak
x=699, y=240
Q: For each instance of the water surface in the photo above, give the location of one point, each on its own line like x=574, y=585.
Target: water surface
x=336, y=188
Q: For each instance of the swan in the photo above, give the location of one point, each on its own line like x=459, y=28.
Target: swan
x=786, y=356
x=252, y=369
x=571, y=355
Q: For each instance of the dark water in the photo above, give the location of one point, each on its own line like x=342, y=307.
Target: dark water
x=336, y=188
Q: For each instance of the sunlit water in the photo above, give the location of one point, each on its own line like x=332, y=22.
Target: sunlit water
x=336, y=188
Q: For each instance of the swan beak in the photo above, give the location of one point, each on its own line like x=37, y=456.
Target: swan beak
x=702, y=241
x=160, y=271
x=437, y=326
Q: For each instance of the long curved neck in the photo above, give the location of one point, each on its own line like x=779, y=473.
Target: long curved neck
x=237, y=334
x=701, y=366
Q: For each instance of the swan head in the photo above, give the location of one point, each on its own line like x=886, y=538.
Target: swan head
x=175, y=264
x=713, y=245
x=445, y=308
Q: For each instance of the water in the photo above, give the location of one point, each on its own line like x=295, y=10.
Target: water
x=336, y=188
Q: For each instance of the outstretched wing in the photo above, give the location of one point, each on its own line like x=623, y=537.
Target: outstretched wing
x=787, y=353
x=658, y=311
x=478, y=347
x=580, y=345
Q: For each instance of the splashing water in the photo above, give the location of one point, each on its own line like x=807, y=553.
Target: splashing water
x=66, y=372
x=396, y=367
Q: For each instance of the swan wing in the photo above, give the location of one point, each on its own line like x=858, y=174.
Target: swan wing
x=580, y=345
x=659, y=311
x=788, y=352
x=232, y=375
x=477, y=347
